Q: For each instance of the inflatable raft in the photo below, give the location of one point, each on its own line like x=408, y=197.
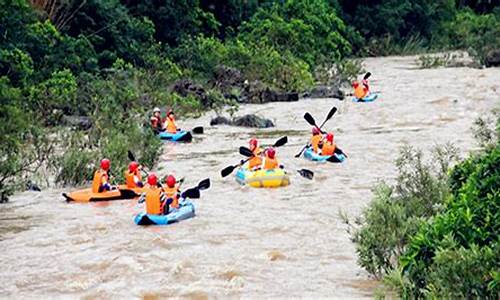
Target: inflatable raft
x=180, y=136
x=311, y=155
x=185, y=211
x=86, y=195
x=262, y=178
x=370, y=98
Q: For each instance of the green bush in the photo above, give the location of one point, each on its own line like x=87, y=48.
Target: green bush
x=479, y=34
x=461, y=244
x=394, y=216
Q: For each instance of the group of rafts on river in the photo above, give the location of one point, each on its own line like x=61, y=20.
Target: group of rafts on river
x=165, y=203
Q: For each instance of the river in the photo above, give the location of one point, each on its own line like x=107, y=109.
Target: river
x=246, y=242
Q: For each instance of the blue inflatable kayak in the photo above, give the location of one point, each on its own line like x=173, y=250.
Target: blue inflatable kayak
x=180, y=136
x=370, y=98
x=311, y=155
x=185, y=211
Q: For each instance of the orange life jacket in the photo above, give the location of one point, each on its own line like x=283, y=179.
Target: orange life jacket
x=328, y=148
x=100, y=178
x=172, y=193
x=129, y=178
x=171, y=128
x=255, y=161
x=360, y=92
x=270, y=163
x=315, y=140
x=153, y=203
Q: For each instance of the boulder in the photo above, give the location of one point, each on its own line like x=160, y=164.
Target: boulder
x=250, y=120
x=219, y=120
x=325, y=91
x=492, y=58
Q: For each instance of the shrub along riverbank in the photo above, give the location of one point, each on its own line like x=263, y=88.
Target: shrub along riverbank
x=435, y=232
x=109, y=62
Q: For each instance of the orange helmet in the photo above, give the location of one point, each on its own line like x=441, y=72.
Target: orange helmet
x=105, y=164
x=170, y=181
x=271, y=153
x=329, y=137
x=152, y=179
x=133, y=166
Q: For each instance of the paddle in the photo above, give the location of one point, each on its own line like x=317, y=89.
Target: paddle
x=248, y=153
x=198, y=130
x=306, y=173
x=312, y=122
x=194, y=193
x=367, y=75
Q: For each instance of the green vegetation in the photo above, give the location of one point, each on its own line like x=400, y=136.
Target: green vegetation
x=110, y=61
x=435, y=232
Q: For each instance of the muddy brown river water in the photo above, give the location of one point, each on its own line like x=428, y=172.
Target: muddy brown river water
x=246, y=242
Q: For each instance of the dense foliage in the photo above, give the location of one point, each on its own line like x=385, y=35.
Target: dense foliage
x=436, y=235
x=90, y=58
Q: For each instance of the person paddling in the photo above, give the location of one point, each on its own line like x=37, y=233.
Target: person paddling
x=172, y=191
x=361, y=90
x=154, y=196
x=256, y=161
x=100, y=183
x=270, y=161
x=133, y=177
x=171, y=127
x=316, y=139
x=156, y=121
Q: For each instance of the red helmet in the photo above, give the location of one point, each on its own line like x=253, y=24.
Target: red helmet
x=105, y=164
x=152, y=179
x=355, y=84
x=253, y=142
x=170, y=112
x=271, y=153
x=329, y=137
x=170, y=181
x=133, y=166
x=315, y=131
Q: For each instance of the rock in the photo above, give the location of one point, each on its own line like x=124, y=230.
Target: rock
x=252, y=121
x=227, y=78
x=31, y=186
x=492, y=58
x=80, y=122
x=186, y=87
x=324, y=91
x=243, y=121
x=219, y=120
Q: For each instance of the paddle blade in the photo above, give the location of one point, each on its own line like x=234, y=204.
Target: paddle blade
x=131, y=156
x=281, y=142
x=306, y=173
x=193, y=193
x=226, y=171
x=204, y=184
x=246, y=152
x=198, y=130
x=331, y=113
x=301, y=151
x=309, y=119
x=367, y=75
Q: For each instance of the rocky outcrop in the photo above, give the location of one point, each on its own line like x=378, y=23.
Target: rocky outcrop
x=324, y=91
x=492, y=58
x=186, y=87
x=253, y=121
